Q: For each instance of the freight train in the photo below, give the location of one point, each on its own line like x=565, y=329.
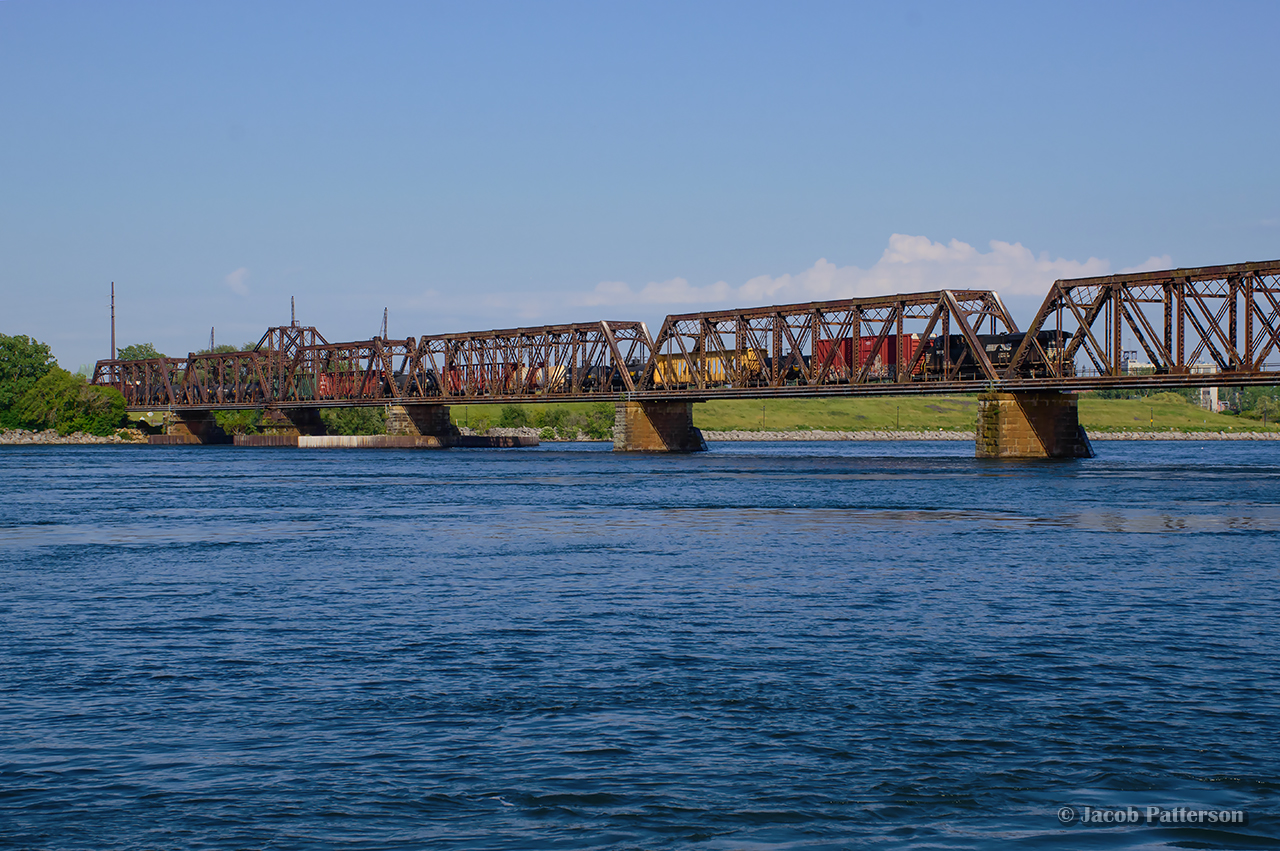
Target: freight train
x=517, y=378
x=999, y=349
x=672, y=372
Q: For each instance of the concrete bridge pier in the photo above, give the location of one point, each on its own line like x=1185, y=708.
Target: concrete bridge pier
x=422, y=420
x=1030, y=425
x=656, y=427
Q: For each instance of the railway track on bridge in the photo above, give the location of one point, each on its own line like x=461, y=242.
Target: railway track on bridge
x=1209, y=326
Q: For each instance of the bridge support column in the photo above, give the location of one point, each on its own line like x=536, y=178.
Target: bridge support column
x=656, y=427
x=1030, y=425
x=424, y=420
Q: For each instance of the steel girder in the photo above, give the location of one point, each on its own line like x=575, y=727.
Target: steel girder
x=849, y=342
x=296, y=367
x=1228, y=314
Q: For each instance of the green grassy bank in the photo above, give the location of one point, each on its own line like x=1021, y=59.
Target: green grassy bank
x=1160, y=412
x=562, y=420
x=882, y=413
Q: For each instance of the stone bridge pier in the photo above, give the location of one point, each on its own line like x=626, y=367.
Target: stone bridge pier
x=422, y=420
x=1030, y=425
x=656, y=427
x=200, y=426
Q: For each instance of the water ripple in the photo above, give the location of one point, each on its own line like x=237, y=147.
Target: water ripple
x=770, y=646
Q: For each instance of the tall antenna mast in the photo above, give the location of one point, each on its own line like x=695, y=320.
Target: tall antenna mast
x=113, y=320
x=384, y=323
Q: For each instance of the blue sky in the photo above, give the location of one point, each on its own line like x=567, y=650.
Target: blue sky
x=474, y=165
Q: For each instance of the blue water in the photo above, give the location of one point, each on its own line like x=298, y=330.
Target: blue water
x=767, y=646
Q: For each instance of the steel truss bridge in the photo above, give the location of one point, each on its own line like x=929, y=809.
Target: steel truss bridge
x=1212, y=326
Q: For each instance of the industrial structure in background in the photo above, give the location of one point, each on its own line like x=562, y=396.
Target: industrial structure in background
x=1205, y=327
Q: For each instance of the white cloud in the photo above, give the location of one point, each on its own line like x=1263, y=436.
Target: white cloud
x=1151, y=264
x=674, y=291
x=908, y=264
x=237, y=281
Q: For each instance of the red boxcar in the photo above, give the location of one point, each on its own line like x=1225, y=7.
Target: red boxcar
x=843, y=356
x=883, y=365
x=346, y=385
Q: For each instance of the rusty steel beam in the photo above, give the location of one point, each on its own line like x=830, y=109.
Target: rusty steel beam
x=579, y=361
x=1176, y=315
x=823, y=344
x=295, y=366
x=945, y=341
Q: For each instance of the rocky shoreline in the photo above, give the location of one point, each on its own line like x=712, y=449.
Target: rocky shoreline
x=1180, y=435
x=49, y=437
x=528, y=431
x=836, y=435
x=968, y=435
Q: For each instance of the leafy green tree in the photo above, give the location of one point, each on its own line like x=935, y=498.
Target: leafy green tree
x=227, y=348
x=513, y=416
x=354, y=420
x=238, y=422
x=554, y=422
x=1191, y=396
x=138, y=351
x=66, y=402
x=23, y=362
x=1245, y=400
x=1266, y=408
x=600, y=422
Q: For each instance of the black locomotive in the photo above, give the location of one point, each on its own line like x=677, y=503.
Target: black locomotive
x=1040, y=362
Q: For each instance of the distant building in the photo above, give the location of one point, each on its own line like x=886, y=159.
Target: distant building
x=1131, y=366
x=1208, y=396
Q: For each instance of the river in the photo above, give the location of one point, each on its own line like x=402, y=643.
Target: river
x=765, y=646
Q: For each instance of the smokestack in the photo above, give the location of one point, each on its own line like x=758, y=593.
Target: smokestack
x=113, y=320
x=384, y=323
x=293, y=317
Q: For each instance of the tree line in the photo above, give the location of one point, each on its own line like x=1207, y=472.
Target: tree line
x=1258, y=403
x=36, y=393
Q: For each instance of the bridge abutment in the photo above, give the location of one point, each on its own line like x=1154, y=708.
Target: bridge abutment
x=1030, y=425
x=656, y=427
x=422, y=420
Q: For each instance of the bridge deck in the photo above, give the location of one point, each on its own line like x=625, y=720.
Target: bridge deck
x=1211, y=326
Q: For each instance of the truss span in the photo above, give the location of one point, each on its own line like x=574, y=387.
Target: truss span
x=1216, y=325
x=1193, y=327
